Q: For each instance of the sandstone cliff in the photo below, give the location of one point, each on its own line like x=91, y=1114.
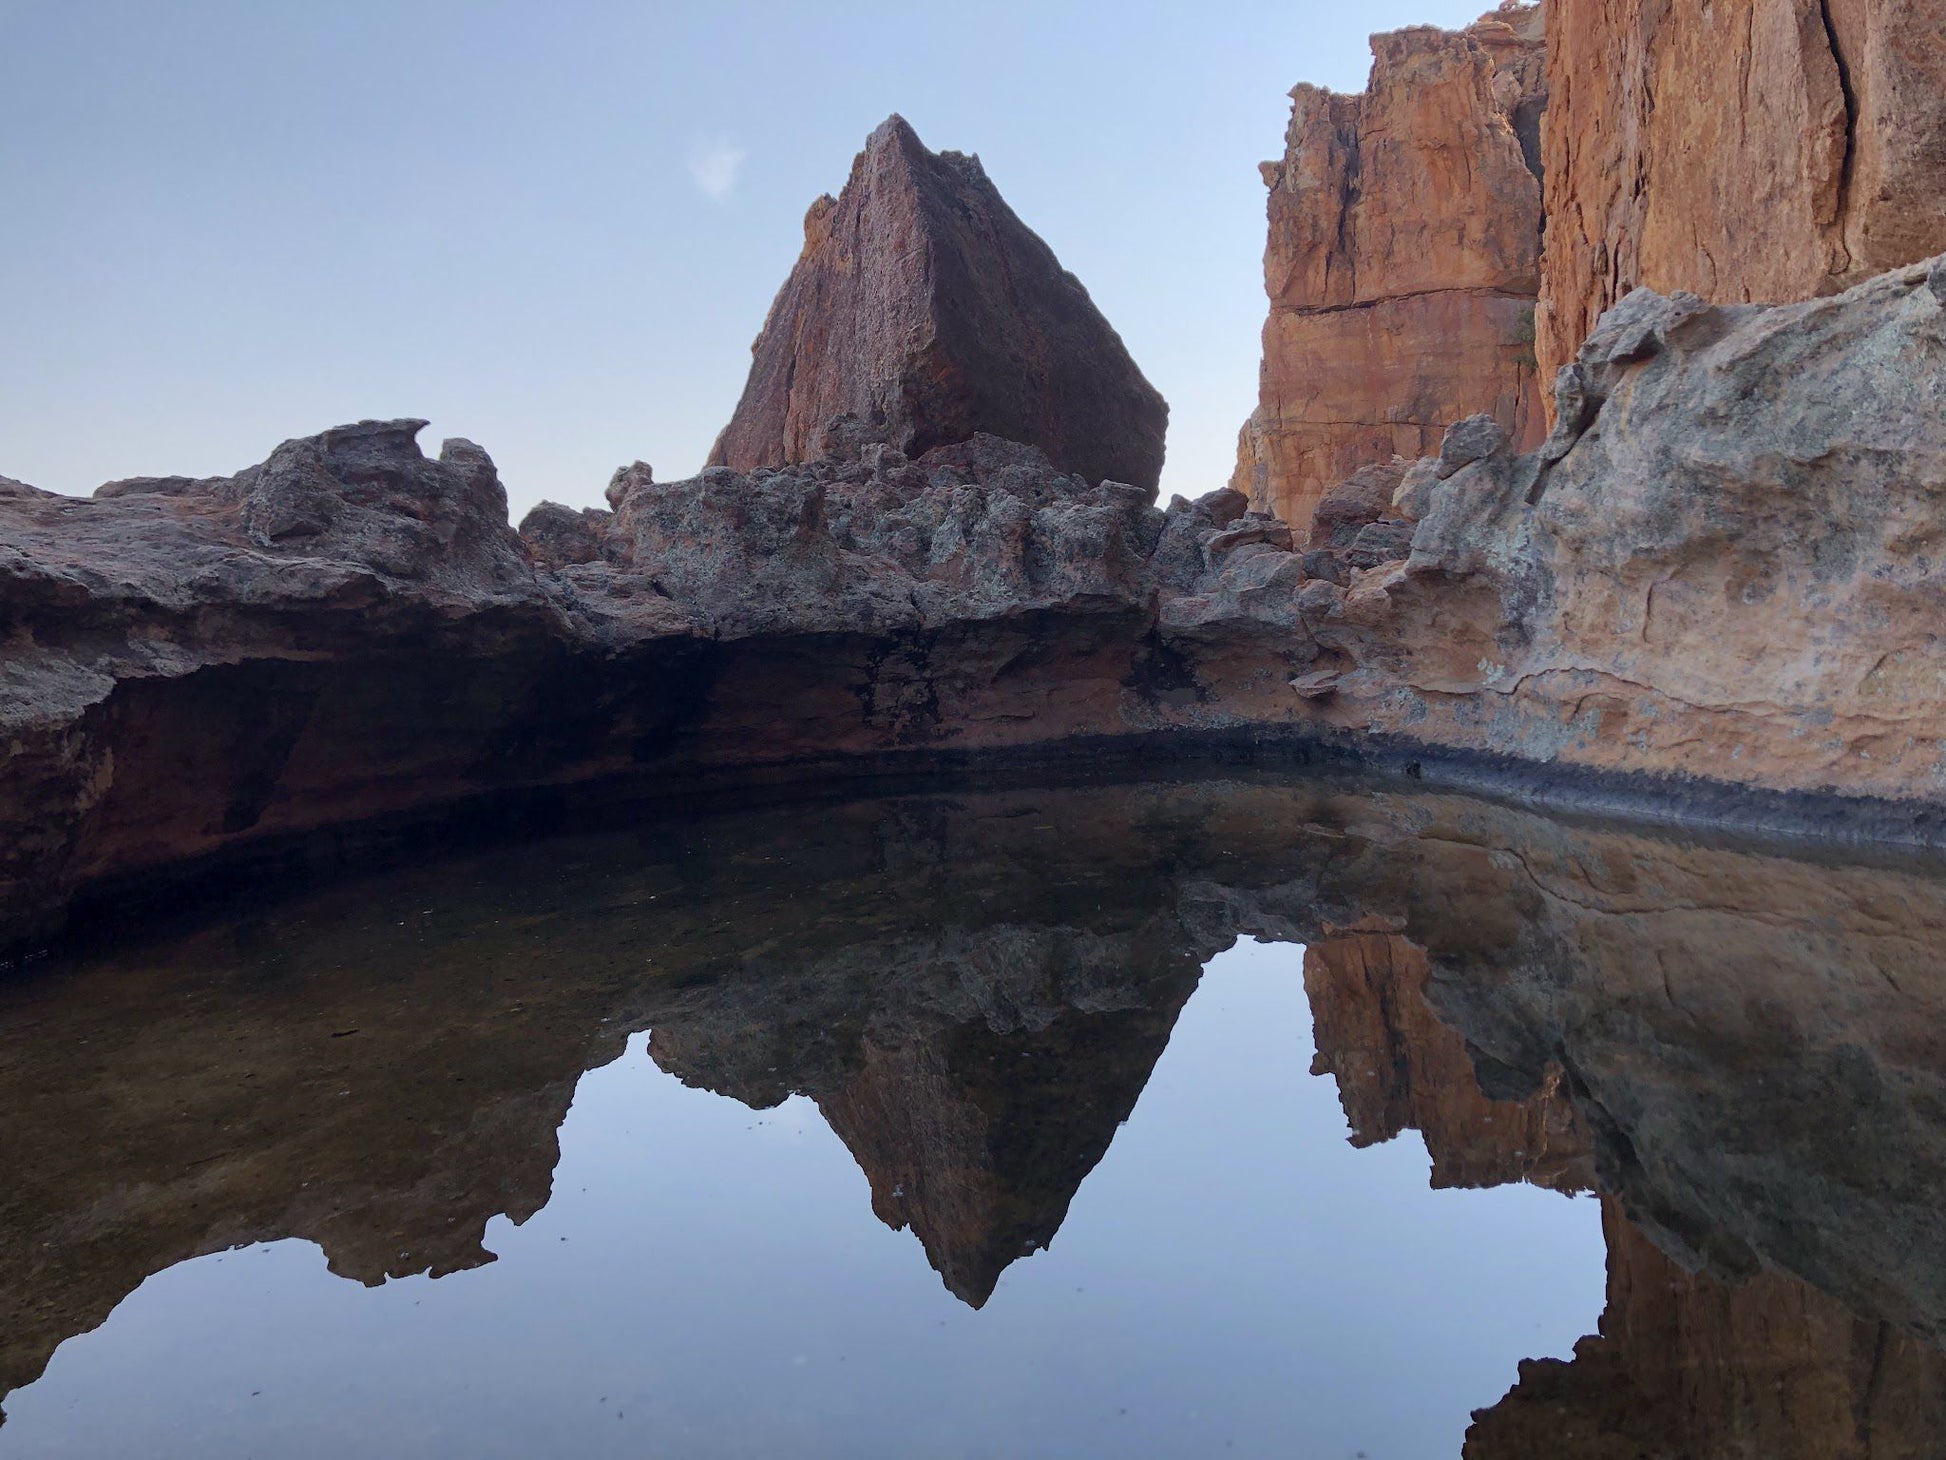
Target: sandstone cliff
x=1402, y=263
x=923, y=308
x=1767, y=151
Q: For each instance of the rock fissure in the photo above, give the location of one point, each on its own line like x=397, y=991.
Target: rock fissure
x=1846, y=162
x=1307, y=311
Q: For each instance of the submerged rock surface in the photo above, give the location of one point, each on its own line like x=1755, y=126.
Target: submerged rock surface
x=923, y=309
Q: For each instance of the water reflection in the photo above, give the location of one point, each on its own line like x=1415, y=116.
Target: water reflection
x=1742, y=1051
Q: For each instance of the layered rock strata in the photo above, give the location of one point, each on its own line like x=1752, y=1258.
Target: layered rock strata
x=1768, y=151
x=351, y=634
x=1403, y=260
x=922, y=307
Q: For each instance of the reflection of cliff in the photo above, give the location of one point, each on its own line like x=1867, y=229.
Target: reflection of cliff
x=1399, y=1068
x=978, y=1140
x=382, y=1067
x=1686, y=1366
x=976, y=1076
x=1683, y=1364
x=1746, y=1049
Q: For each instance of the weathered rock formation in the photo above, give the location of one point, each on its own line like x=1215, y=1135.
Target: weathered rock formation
x=1723, y=564
x=1768, y=151
x=1403, y=261
x=924, y=309
x=1721, y=567
x=352, y=635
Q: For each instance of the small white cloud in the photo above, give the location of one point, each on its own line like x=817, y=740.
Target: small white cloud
x=714, y=162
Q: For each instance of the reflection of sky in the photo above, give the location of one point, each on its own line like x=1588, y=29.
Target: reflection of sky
x=234, y=221
x=708, y=1281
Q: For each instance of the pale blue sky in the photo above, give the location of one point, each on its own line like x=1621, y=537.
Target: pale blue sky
x=554, y=228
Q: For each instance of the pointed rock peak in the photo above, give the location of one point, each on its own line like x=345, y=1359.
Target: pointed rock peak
x=894, y=131
x=922, y=304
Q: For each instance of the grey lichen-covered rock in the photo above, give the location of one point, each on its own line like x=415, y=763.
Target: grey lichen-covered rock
x=1726, y=562
x=365, y=494
x=560, y=537
x=877, y=542
x=1363, y=498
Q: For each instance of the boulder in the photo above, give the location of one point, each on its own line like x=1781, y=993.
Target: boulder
x=1723, y=565
x=925, y=311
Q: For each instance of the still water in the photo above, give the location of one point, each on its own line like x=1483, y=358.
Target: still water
x=1224, y=1117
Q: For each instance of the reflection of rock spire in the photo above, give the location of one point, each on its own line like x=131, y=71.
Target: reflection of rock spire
x=979, y=1140
x=1756, y=1045
x=977, y=1074
x=1398, y=1068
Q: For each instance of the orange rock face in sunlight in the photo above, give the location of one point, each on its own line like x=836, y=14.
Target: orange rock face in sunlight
x=1403, y=260
x=1768, y=151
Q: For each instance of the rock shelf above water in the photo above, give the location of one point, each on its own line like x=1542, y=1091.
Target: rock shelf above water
x=351, y=632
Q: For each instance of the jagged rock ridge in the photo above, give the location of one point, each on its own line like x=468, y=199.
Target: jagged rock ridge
x=351, y=634
x=923, y=310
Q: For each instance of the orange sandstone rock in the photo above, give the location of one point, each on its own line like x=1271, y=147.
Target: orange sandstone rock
x=1402, y=262
x=1766, y=151
x=925, y=309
